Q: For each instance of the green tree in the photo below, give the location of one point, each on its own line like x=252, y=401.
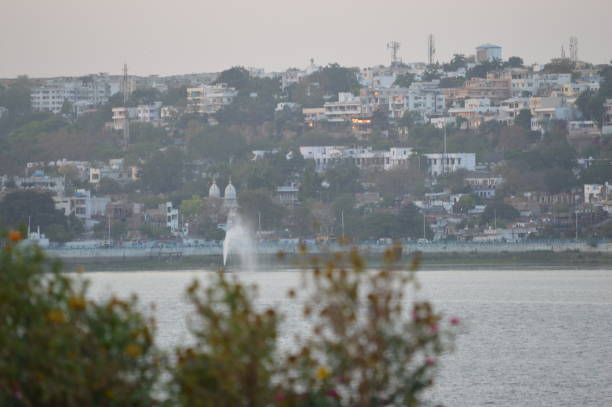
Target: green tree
x=36, y=208
x=164, y=171
x=458, y=61
x=404, y=80
x=514, y=62
x=236, y=77
x=560, y=66
x=258, y=203
x=216, y=143
x=500, y=211
x=523, y=119
x=465, y=204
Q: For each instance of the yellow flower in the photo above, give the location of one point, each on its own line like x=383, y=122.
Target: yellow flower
x=322, y=373
x=56, y=316
x=77, y=303
x=133, y=350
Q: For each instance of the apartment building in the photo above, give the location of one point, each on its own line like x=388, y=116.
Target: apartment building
x=92, y=90
x=346, y=108
x=440, y=163
x=209, y=98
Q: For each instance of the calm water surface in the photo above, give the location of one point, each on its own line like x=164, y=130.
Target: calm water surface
x=534, y=338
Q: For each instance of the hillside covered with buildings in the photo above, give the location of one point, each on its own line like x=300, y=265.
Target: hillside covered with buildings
x=478, y=148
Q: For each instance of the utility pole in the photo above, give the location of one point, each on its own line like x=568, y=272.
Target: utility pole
x=342, y=217
x=444, y=155
x=259, y=221
x=424, y=235
x=126, y=119
x=495, y=220
x=576, y=213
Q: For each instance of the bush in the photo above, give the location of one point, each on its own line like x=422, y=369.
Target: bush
x=367, y=343
x=60, y=348
x=367, y=346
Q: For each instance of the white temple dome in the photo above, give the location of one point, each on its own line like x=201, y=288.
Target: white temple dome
x=214, y=191
x=230, y=192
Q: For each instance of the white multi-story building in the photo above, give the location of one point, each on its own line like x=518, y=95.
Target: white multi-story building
x=92, y=90
x=527, y=83
x=172, y=218
x=346, y=108
x=364, y=158
x=209, y=98
x=426, y=98
x=439, y=163
x=150, y=113
x=82, y=205
x=39, y=181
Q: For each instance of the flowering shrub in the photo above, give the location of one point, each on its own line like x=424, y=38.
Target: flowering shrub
x=233, y=361
x=368, y=345
x=369, y=341
x=60, y=348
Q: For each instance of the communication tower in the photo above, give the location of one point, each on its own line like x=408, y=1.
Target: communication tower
x=431, y=49
x=394, y=46
x=573, y=48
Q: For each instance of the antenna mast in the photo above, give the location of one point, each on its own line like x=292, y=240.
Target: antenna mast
x=431, y=49
x=394, y=47
x=126, y=119
x=573, y=48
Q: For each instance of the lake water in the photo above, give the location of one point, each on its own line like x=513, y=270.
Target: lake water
x=533, y=338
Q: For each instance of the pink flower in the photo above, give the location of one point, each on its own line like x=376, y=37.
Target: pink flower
x=279, y=397
x=433, y=328
x=333, y=393
x=454, y=321
x=429, y=361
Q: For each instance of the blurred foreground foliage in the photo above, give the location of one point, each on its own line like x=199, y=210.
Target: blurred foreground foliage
x=367, y=340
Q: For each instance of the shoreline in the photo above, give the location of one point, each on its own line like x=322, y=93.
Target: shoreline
x=429, y=261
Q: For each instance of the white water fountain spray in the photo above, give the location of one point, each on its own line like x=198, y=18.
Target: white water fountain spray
x=239, y=240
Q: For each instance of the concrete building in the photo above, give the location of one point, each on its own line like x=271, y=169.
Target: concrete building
x=209, y=98
x=594, y=193
x=82, y=205
x=484, y=185
x=115, y=170
x=288, y=194
x=607, y=122
x=496, y=87
x=364, y=158
x=150, y=113
x=426, y=98
x=488, y=53
x=439, y=163
x=39, y=181
x=346, y=108
x=119, y=114
x=3, y=111
x=91, y=90
x=582, y=128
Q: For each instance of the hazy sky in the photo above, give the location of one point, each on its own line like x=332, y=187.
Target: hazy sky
x=72, y=37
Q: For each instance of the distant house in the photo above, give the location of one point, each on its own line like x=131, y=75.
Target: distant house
x=288, y=194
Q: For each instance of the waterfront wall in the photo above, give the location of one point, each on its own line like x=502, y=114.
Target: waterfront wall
x=268, y=249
